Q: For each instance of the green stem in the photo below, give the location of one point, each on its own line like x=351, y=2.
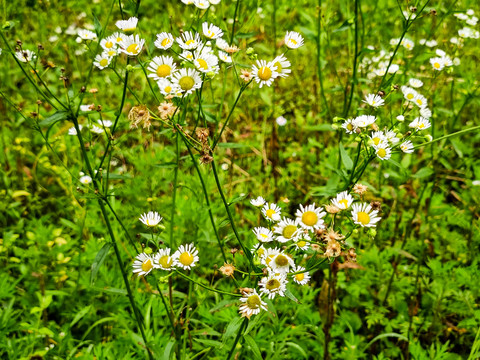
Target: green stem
x=205, y=286
x=237, y=338
x=175, y=185
x=448, y=135
x=234, y=22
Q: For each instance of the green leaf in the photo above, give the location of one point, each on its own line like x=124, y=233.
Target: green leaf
x=168, y=349
x=346, y=160
x=292, y=297
x=384, y=336
x=253, y=346
x=58, y=116
x=232, y=145
x=99, y=259
x=81, y=314
x=298, y=347
x=232, y=328
x=423, y=173
x=97, y=25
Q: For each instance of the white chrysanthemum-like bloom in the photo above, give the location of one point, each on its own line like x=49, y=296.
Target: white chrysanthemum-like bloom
x=189, y=41
x=302, y=242
x=187, y=80
x=73, y=131
x=343, y=200
x=383, y=150
x=377, y=137
x=407, y=147
x=273, y=285
x=167, y=87
x=186, y=257
x=211, y=31
x=201, y=4
x=438, y=63
x=105, y=123
x=281, y=121
x=281, y=263
x=96, y=129
x=84, y=34
x=252, y=304
x=161, y=67
x=259, y=201
x=420, y=100
x=287, y=229
x=420, y=123
x=222, y=44
x=374, y=100
x=132, y=45
x=391, y=136
x=187, y=2
x=267, y=255
x=264, y=73
x=303, y=277
x=293, y=40
x=143, y=264
x=88, y=107
x=224, y=57
x=415, y=83
x=263, y=234
x=310, y=217
x=151, y=219
x=86, y=180
x=163, y=260
x=408, y=93
x=426, y=113
x=408, y=44
x=364, y=216
x=127, y=25
x=25, y=55
x=102, y=60
x=400, y=118
x=283, y=65
x=109, y=43
x=118, y=37
x=349, y=126
x=364, y=120
x=271, y=212
x=431, y=43
x=214, y=2
x=205, y=62
x=164, y=41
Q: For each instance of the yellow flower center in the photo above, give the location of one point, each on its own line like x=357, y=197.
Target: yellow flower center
x=165, y=42
x=109, y=44
x=376, y=140
x=265, y=236
x=210, y=34
x=168, y=89
x=103, y=62
x=436, y=65
x=363, y=217
x=147, y=265
x=132, y=49
x=410, y=96
x=421, y=126
x=269, y=258
x=186, y=258
x=189, y=42
x=301, y=243
x=344, y=202
x=260, y=252
x=382, y=153
x=279, y=66
x=288, y=231
x=164, y=70
x=281, y=260
x=272, y=284
x=270, y=213
x=299, y=277
x=349, y=127
x=119, y=39
x=254, y=302
x=203, y=64
x=165, y=261
x=186, y=83
x=309, y=218
x=111, y=53
x=419, y=102
x=293, y=41
x=264, y=73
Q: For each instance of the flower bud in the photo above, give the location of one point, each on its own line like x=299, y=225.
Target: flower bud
x=148, y=250
x=428, y=138
x=130, y=68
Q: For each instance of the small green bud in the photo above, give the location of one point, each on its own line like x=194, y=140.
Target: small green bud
x=336, y=119
x=428, y=138
x=148, y=250
x=161, y=227
x=370, y=142
x=163, y=280
x=210, y=74
x=372, y=232
x=7, y=25
x=335, y=127
x=130, y=68
x=355, y=231
x=250, y=51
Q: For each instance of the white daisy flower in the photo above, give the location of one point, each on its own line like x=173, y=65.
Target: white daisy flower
x=420, y=100
x=264, y=73
x=143, y=264
x=431, y=43
x=302, y=278
x=187, y=2
x=214, y=2
x=374, y=100
x=310, y=217
x=132, y=45
x=267, y=255
x=438, y=63
x=349, y=126
x=273, y=285
x=415, y=83
x=189, y=41
x=151, y=219
x=161, y=67
x=420, y=123
x=105, y=123
x=163, y=260
x=281, y=263
x=187, y=80
x=164, y=41
x=211, y=31
x=118, y=37
x=287, y=229
x=364, y=120
x=201, y=4
x=391, y=136
x=84, y=34
x=343, y=200
x=400, y=118
x=73, y=131
x=408, y=44
x=252, y=304
x=408, y=93
x=282, y=64
x=263, y=234
x=302, y=244
x=167, y=87
x=259, y=201
x=377, y=137
x=25, y=55
x=127, y=26
x=426, y=113
x=293, y=40
x=86, y=180
x=383, y=151
x=112, y=52
x=95, y=129
x=86, y=108
x=187, y=55
x=205, y=62
x=224, y=57
x=102, y=60
x=407, y=147
x=271, y=212
x=186, y=256
x=364, y=216
x=108, y=43
x=281, y=121
x=221, y=44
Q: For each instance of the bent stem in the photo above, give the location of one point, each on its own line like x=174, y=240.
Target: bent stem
x=237, y=338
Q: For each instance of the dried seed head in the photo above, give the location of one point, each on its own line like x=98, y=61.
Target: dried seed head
x=227, y=269
x=359, y=189
x=206, y=158
x=376, y=205
x=202, y=134
x=333, y=249
x=351, y=255
x=332, y=209
x=139, y=114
